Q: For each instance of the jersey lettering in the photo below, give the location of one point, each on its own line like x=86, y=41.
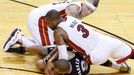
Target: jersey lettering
x=73, y=24
x=81, y=66
x=77, y=63
x=84, y=66
x=83, y=30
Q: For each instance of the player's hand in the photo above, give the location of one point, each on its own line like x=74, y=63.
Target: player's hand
x=48, y=69
x=47, y=72
x=50, y=65
x=47, y=58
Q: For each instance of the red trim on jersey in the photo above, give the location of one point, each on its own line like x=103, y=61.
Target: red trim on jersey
x=43, y=31
x=62, y=13
x=124, y=59
x=79, y=50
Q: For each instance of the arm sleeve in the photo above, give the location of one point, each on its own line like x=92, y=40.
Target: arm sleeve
x=63, y=52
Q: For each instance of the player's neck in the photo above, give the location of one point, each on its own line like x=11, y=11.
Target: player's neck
x=60, y=20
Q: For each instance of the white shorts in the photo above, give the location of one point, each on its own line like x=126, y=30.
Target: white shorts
x=110, y=47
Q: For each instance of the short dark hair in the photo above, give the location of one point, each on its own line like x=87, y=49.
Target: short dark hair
x=62, y=65
x=53, y=14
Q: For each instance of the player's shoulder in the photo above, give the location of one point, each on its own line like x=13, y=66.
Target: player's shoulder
x=69, y=19
x=59, y=32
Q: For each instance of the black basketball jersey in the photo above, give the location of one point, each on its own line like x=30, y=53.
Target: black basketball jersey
x=79, y=67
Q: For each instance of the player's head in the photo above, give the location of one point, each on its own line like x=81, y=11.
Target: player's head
x=86, y=9
x=53, y=18
x=62, y=66
x=80, y=10
x=73, y=10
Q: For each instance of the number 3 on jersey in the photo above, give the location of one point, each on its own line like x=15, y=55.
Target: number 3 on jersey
x=83, y=30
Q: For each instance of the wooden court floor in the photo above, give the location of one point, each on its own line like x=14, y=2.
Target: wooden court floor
x=116, y=16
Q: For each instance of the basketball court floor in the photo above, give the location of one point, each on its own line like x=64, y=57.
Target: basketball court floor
x=115, y=16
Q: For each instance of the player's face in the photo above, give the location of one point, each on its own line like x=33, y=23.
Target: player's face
x=51, y=23
x=85, y=11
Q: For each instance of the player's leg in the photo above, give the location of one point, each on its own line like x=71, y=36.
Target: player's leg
x=41, y=51
x=15, y=37
x=102, y=52
x=122, y=53
x=29, y=46
x=119, y=51
x=16, y=49
x=123, y=67
x=111, y=64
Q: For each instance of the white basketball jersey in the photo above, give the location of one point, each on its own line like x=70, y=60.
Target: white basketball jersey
x=79, y=34
x=37, y=24
x=42, y=10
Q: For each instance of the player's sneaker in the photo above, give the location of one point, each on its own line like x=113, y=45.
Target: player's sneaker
x=12, y=39
x=125, y=68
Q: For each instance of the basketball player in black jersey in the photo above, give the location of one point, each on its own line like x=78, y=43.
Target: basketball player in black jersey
x=75, y=65
x=78, y=65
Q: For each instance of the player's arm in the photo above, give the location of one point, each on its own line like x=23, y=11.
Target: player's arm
x=49, y=64
x=54, y=57
x=51, y=60
x=60, y=36
x=50, y=55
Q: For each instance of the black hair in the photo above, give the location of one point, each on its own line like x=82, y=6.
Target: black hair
x=53, y=15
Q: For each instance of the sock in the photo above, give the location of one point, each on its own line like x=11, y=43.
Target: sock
x=26, y=42
x=20, y=50
x=111, y=64
x=115, y=65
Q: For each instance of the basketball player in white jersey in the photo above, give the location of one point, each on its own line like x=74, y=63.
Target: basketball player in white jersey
x=32, y=46
x=96, y=47
x=43, y=35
